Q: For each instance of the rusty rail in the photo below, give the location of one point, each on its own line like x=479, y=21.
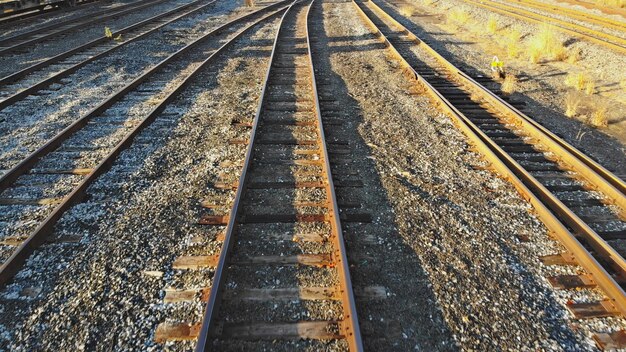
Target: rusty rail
x=10, y=267
x=350, y=326
x=550, y=209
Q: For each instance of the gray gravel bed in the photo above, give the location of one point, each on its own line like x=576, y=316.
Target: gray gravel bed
x=139, y=217
x=175, y=34
x=11, y=29
x=27, y=126
x=40, y=51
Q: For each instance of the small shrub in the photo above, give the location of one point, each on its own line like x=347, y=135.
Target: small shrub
x=512, y=42
x=407, y=10
x=613, y=3
x=572, y=102
x=590, y=87
x=546, y=44
x=509, y=84
x=574, y=56
x=599, y=116
x=577, y=80
x=458, y=17
x=248, y=3
x=492, y=24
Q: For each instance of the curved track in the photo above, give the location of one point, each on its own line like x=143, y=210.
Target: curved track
x=67, y=164
x=73, y=59
x=605, y=39
x=581, y=203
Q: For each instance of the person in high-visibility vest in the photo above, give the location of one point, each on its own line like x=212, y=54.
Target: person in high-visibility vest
x=497, y=68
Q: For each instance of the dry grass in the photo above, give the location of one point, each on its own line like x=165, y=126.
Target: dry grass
x=590, y=87
x=458, y=17
x=546, y=43
x=428, y=2
x=248, y=3
x=613, y=3
x=509, y=84
x=511, y=41
x=577, y=80
x=407, y=10
x=572, y=102
x=574, y=56
x=599, y=116
x=622, y=84
x=492, y=24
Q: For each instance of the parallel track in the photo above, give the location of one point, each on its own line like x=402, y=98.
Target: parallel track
x=37, y=11
x=82, y=55
x=78, y=155
x=574, y=14
x=552, y=175
x=20, y=42
x=607, y=40
x=285, y=182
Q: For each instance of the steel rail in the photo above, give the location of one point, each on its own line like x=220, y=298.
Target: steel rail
x=610, y=41
x=543, y=201
x=17, y=259
x=10, y=176
x=66, y=72
x=33, y=37
x=26, y=13
x=350, y=326
x=575, y=14
x=351, y=323
x=66, y=22
x=607, y=182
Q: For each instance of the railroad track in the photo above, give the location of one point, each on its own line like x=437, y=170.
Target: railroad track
x=23, y=15
x=68, y=62
x=67, y=164
x=20, y=42
x=283, y=224
x=582, y=204
x=579, y=31
x=574, y=14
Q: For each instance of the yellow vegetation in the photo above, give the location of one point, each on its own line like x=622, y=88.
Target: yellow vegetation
x=572, y=102
x=458, y=17
x=509, y=84
x=546, y=43
x=492, y=24
x=574, y=56
x=249, y=3
x=590, y=87
x=577, y=80
x=613, y=3
x=599, y=116
x=407, y=10
x=512, y=42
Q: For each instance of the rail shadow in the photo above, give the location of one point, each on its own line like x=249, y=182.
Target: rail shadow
x=406, y=319
x=409, y=314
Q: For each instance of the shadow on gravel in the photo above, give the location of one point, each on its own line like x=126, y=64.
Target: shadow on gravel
x=408, y=318
x=591, y=141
